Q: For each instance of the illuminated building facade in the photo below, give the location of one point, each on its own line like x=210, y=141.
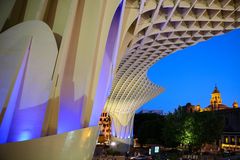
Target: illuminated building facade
x=215, y=103
x=192, y=108
x=230, y=139
x=105, y=128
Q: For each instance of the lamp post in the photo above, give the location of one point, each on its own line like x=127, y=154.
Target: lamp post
x=113, y=144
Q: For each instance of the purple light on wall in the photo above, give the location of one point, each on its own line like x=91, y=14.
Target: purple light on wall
x=105, y=79
x=120, y=131
x=25, y=135
x=69, y=115
x=8, y=116
x=27, y=123
x=24, y=122
x=71, y=109
x=113, y=129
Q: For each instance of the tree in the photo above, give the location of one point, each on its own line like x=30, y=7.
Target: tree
x=211, y=126
x=148, y=128
x=200, y=128
x=189, y=129
x=171, y=130
x=150, y=132
x=192, y=129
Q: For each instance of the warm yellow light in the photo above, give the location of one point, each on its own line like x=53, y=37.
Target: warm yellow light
x=230, y=146
x=226, y=139
x=89, y=133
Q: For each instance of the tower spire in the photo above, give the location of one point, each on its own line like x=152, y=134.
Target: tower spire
x=216, y=99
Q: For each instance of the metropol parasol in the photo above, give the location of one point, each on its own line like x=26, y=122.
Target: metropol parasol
x=64, y=62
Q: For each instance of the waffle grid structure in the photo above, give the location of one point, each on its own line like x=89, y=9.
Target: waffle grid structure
x=154, y=29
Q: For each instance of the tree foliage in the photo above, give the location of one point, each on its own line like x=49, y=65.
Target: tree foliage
x=148, y=128
x=180, y=127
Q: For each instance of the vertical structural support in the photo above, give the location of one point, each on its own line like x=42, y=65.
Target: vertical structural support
x=12, y=100
x=5, y=10
x=108, y=65
x=28, y=99
x=69, y=32
x=69, y=106
x=122, y=131
x=81, y=57
x=122, y=134
x=35, y=9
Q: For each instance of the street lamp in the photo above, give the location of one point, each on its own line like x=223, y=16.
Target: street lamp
x=113, y=144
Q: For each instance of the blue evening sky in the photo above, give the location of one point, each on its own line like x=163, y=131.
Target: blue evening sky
x=189, y=75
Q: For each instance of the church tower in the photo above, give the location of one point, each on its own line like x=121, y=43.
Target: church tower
x=216, y=99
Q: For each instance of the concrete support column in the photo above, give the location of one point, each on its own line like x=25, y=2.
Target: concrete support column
x=122, y=131
x=78, y=68
x=35, y=9
x=5, y=10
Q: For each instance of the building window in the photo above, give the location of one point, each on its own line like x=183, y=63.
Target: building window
x=232, y=139
x=226, y=139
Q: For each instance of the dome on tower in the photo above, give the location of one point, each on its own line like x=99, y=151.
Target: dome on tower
x=215, y=90
x=235, y=104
